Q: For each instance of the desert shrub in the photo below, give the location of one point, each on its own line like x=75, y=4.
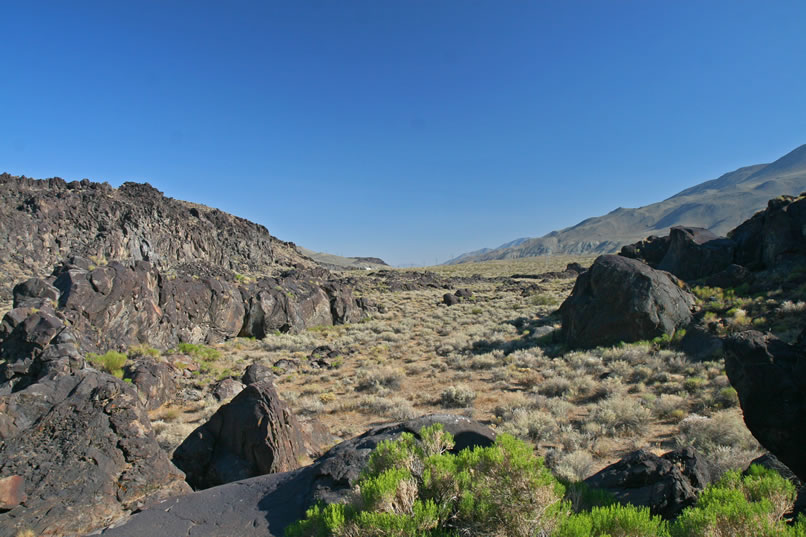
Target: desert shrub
x=737, y=506
x=670, y=406
x=620, y=415
x=396, y=408
x=573, y=466
x=535, y=425
x=614, y=521
x=416, y=489
x=459, y=396
x=554, y=387
x=377, y=379
x=723, y=437
x=112, y=362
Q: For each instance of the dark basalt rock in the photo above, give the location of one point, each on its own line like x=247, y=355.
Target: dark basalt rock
x=120, y=305
x=696, y=252
x=264, y=506
x=666, y=484
x=227, y=389
x=702, y=345
x=449, y=299
x=252, y=435
x=773, y=235
x=154, y=381
x=770, y=378
x=82, y=443
x=621, y=299
x=650, y=250
x=256, y=373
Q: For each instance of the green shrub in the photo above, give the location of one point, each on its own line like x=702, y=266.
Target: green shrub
x=737, y=506
x=112, y=362
x=419, y=489
x=614, y=521
x=201, y=352
x=143, y=350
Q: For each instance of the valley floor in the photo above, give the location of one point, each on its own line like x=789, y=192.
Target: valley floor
x=494, y=357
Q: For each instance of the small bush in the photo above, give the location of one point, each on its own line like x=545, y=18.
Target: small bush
x=143, y=350
x=459, y=396
x=419, y=489
x=112, y=362
x=614, y=521
x=378, y=379
x=200, y=352
x=620, y=415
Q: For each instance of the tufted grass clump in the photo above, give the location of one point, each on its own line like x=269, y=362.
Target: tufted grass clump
x=200, y=352
x=459, y=396
x=111, y=361
x=420, y=489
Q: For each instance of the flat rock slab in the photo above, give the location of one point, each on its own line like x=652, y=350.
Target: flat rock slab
x=261, y=506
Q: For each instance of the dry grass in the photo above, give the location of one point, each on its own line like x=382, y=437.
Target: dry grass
x=493, y=357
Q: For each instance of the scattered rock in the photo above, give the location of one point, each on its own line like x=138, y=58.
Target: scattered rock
x=770, y=378
x=773, y=235
x=463, y=294
x=733, y=276
x=323, y=356
x=621, y=299
x=450, y=299
x=284, y=365
x=666, y=484
x=252, y=435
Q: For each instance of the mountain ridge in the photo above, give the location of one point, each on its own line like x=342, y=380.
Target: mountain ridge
x=718, y=205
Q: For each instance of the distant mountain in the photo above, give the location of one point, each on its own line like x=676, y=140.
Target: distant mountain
x=337, y=262
x=718, y=205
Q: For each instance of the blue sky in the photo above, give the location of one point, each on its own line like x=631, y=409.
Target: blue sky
x=409, y=130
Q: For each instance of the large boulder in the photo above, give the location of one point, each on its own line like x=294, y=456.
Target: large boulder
x=666, y=484
x=622, y=299
x=770, y=378
x=83, y=447
x=263, y=506
x=696, y=252
x=252, y=435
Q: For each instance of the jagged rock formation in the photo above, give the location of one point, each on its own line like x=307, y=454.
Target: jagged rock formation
x=264, y=506
x=254, y=434
x=771, y=237
x=83, y=445
x=621, y=299
x=666, y=484
x=45, y=221
x=123, y=304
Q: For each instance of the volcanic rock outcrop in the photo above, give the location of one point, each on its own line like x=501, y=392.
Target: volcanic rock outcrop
x=45, y=221
x=264, y=506
x=621, y=299
x=124, y=304
x=82, y=444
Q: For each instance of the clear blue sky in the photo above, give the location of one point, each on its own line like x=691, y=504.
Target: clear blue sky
x=409, y=130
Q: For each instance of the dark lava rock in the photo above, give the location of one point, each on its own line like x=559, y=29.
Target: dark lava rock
x=84, y=447
x=575, y=267
x=702, y=345
x=252, y=435
x=666, y=484
x=154, y=380
x=449, y=299
x=650, y=250
x=463, y=294
x=323, y=356
x=34, y=289
x=770, y=378
x=227, y=389
x=696, y=252
x=12, y=492
x=264, y=506
x=772, y=235
x=733, y=276
x=256, y=373
x=621, y=299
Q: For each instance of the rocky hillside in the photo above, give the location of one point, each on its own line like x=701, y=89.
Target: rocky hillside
x=43, y=222
x=716, y=205
x=337, y=262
